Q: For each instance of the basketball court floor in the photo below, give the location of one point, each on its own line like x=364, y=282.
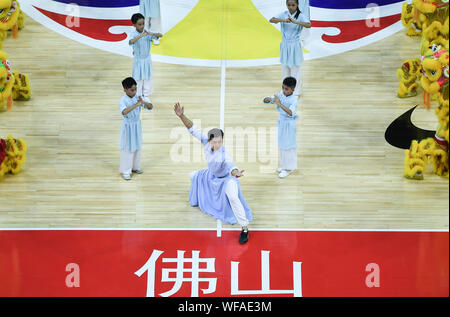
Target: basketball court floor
x=346, y=223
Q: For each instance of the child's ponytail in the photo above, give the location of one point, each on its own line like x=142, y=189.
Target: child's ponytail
x=297, y=13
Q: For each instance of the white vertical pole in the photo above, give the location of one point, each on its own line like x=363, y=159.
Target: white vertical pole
x=223, y=68
x=219, y=228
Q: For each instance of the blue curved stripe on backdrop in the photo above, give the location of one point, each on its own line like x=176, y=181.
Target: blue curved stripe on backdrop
x=349, y=4
x=102, y=3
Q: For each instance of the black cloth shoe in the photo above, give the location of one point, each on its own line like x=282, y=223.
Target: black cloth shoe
x=243, y=237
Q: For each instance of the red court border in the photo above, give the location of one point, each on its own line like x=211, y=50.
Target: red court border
x=37, y=262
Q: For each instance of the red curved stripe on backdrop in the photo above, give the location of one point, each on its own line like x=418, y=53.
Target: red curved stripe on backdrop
x=354, y=30
x=94, y=28
x=99, y=29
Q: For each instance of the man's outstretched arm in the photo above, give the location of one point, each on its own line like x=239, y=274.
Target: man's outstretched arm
x=179, y=111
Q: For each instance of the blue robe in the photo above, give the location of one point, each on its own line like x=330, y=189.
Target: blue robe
x=287, y=125
x=131, y=129
x=142, y=60
x=291, y=51
x=208, y=185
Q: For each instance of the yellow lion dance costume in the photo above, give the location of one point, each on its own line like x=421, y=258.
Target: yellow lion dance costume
x=433, y=15
x=7, y=81
x=434, y=70
x=11, y=18
x=408, y=74
x=13, y=85
x=416, y=158
x=429, y=19
x=413, y=28
x=12, y=155
x=435, y=80
x=420, y=154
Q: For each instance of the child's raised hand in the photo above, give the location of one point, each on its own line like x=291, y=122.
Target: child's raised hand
x=179, y=110
x=276, y=99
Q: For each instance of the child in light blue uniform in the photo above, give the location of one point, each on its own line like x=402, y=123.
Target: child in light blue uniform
x=291, y=52
x=151, y=9
x=131, y=129
x=140, y=41
x=217, y=190
x=286, y=103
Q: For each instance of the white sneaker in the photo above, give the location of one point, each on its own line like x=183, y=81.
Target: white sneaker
x=279, y=169
x=284, y=174
x=139, y=171
x=126, y=177
x=155, y=41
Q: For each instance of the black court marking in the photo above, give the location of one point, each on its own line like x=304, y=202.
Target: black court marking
x=401, y=132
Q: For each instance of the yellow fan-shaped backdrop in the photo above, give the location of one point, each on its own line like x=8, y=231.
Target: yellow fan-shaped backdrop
x=218, y=29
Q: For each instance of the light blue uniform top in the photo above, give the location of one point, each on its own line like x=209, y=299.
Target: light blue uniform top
x=131, y=129
x=208, y=185
x=149, y=8
x=291, y=52
x=287, y=125
x=142, y=61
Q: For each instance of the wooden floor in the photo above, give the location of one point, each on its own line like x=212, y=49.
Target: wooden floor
x=348, y=177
